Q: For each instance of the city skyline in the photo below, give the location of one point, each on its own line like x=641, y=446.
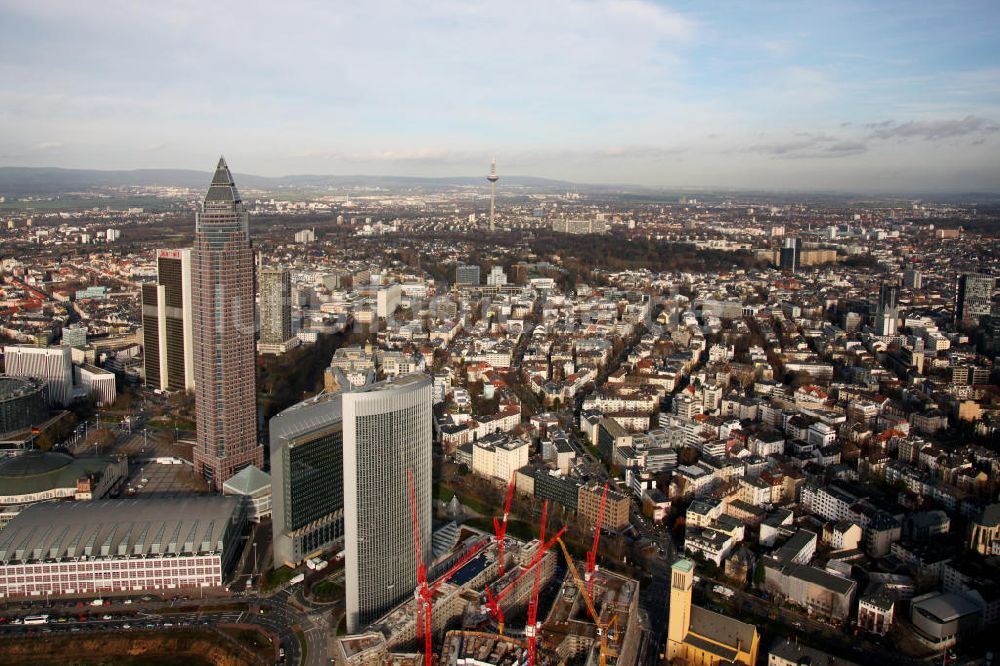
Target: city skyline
x=859, y=96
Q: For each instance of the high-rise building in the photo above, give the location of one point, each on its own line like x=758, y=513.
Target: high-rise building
x=887, y=314
x=54, y=365
x=307, y=478
x=791, y=255
x=467, y=275
x=496, y=277
x=168, y=323
x=913, y=279
x=276, y=311
x=223, y=308
x=387, y=435
x=973, y=298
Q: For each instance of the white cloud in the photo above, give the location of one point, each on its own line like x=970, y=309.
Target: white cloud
x=44, y=146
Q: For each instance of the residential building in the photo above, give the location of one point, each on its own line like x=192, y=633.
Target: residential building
x=276, y=311
x=496, y=277
x=597, y=226
x=789, y=653
x=819, y=591
x=75, y=335
x=616, y=507
x=498, y=456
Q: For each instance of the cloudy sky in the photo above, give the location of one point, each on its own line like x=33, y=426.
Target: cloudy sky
x=878, y=95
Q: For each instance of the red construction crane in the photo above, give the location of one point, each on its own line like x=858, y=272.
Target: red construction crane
x=592, y=553
x=501, y=527
x=531, y=628
x=424, y=592
x=493, y=601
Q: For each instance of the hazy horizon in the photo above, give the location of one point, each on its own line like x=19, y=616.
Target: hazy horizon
x=852, y=96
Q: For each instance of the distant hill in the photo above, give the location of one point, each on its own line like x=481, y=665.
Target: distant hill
x=54, y=180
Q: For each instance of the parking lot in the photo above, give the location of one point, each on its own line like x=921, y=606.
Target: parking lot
x=158, y=480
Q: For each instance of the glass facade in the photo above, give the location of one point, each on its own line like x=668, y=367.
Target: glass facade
x=223, y=309
x=314, y=479
x=307, y=479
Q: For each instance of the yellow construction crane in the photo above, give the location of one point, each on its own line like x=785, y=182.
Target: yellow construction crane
x=605, y=630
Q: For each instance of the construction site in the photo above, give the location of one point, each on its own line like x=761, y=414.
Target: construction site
x=493, y=599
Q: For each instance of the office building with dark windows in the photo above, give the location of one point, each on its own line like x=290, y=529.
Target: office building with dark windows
x=24, y=402
x=973, y=297
x=790, y=256
x=167, y=323
x=467, y=275
x=222, y=287
x=387, y=436
x=307, y=479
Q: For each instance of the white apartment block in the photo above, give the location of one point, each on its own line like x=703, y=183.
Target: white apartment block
x=499, y=456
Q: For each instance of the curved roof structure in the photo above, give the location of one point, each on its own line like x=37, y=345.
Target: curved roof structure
x=33, y=463
x=35, y=472
x=120, y=528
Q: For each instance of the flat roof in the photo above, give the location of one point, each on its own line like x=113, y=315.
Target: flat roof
x=820, y=577
x=944, y=607
x=803, y=654
x=683, y=564
x=412, y=380
x=118, y=528
x=321, y=411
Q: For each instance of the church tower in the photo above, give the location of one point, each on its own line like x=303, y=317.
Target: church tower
x=681, y=581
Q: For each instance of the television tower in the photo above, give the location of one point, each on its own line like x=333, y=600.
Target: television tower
x=493, y=178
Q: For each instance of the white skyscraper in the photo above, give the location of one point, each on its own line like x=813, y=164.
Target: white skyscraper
x=54, y=365
x=496, y=277
x=386, y=434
